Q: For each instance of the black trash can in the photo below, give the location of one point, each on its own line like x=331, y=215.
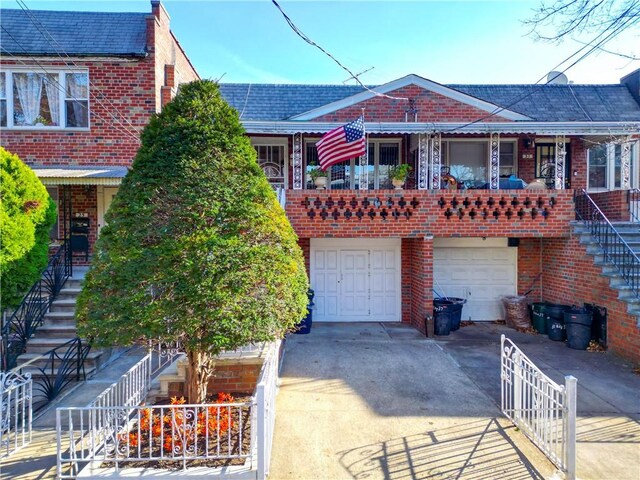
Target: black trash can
x=578, y=322
x=554, y=316
x=442, y=317
x=455, y=310
x=304, y=326
x=538, y=319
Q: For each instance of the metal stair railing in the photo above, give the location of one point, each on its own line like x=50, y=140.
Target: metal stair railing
x=29, y=315
x=615, y=249
x=633, y=200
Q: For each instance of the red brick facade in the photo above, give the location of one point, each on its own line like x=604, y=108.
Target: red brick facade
x=431, y=107
x=614, y=204
x=124, y=93
x=570, y=277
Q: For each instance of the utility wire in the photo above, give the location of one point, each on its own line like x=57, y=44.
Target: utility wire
x=304, y=37
x=49, y=38
x=615, y=32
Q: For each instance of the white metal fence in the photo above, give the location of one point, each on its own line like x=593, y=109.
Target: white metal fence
x=16, y=411
x=543, y=410
x=112, y=432
x=265, y=400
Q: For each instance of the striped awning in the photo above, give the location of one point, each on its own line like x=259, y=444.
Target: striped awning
x=76, y=175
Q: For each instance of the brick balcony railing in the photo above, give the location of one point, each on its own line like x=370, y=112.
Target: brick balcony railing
x=415, y=213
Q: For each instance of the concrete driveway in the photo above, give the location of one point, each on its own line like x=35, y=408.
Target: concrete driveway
x=382, y=401
x=608, y=430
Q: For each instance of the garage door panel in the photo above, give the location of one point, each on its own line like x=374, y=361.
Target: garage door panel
x=480, y=275
x=356, y=284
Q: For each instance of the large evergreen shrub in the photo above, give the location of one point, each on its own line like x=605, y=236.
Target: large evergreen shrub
x=27, y=214
x=196, y=247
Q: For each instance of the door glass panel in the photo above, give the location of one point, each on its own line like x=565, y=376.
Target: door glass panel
x=271, y=160
x=598, y=167
x=388, y=156
x=312, y=163
x=371, y=166
x=468, y=163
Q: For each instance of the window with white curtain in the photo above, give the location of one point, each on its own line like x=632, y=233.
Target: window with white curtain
x=605, y=167
x=39, y=99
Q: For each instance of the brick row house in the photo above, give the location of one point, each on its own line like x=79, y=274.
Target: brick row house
x=487, y=210
x=76, y=90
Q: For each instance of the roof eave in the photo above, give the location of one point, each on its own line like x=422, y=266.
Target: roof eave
x=529, y=127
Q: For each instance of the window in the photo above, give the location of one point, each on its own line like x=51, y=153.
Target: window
x=3, y=99
x=272, y=154
x=382, y=154
x=605, y=167
x=31, y=99
x=468, y=163
x=507, y=159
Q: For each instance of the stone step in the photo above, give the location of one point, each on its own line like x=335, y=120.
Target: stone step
x=37, y=374
x=93, y=360
x=39, y=345
x=73, y=283
x=67, y=305
x=69, y=293
x=63, y=330
x=60, y=317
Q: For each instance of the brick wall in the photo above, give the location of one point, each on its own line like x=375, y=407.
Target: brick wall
x=614, y=204
x=128, y=86
x=431, y=106
x=570, y=277
x=421, y=213
x=530, y=268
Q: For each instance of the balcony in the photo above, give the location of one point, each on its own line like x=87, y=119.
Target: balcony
x=416, y=213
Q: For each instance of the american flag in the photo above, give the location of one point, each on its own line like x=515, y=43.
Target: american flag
x=342, y=143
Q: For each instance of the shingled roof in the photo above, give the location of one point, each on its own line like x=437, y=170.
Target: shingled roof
x=75, y=33
x=544, y=103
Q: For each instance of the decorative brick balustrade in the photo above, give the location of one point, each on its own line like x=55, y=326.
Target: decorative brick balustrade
x=415, y=213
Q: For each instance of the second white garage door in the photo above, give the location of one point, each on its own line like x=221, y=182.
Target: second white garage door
x=356, y=280
x=482, y=271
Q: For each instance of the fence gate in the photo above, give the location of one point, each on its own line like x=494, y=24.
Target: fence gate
x=543, y=410
x=15, y=411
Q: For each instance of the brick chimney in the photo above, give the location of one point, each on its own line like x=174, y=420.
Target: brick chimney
x=632, y=81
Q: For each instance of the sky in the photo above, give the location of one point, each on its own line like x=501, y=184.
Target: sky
x=471, y=42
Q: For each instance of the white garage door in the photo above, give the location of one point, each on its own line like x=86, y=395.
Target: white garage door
x=480, y=271
x=356, y=280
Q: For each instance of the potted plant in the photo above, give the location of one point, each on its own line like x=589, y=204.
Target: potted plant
x=398, y=175
x=319, y=178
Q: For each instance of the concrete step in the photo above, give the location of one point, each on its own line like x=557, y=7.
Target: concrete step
x=60, y=317
x=63, y=330
x=67, y=305
x=73, y=283
x=39, y=345
x=37, y=374
x=69, y=293
x=92, y=360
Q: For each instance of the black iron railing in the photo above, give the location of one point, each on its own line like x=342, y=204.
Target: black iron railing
x=633, y=200
x=616, y=250
x=30, y=313
x=51, y=372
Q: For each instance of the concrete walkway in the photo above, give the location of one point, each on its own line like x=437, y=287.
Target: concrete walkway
x=38, y=460
x=608, y=428
x=382, y=401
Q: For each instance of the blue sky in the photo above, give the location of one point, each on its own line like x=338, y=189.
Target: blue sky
x=445, y=41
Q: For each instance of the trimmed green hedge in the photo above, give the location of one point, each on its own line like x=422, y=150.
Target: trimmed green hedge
x=27, y=214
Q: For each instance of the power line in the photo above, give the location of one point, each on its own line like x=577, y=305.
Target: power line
x=39, y=24
x=304, y=37
x=534, y=90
